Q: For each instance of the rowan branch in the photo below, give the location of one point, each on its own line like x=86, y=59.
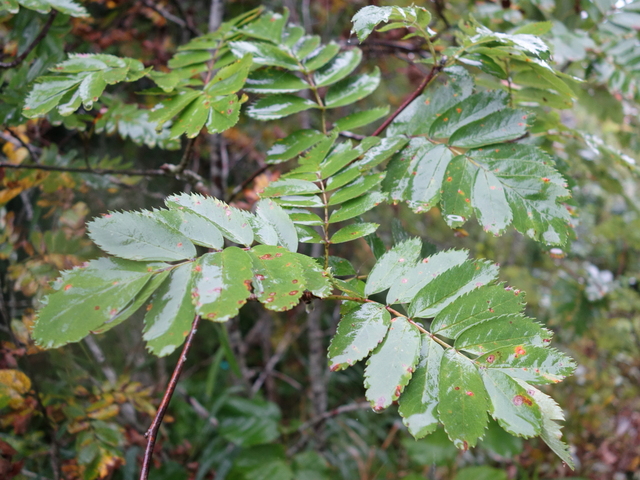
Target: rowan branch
x=43, y=33
x=152, y=433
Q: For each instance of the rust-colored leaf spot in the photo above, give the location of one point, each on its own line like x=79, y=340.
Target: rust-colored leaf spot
x=149, y=307
x=113, y=311
x=457, y=388
x=519, y=351
x=460, y=192
x=492, y=187
x=470, y=394
x=449, y=179
x=467, y=200
x=491, y=310
x=398, y=391
x=465, y=445
x=266, y=256
x=546, y=179
x=211, y=315
x=179, y=244
x=67, y=287
x=518, y=400
x=445, y=119
x=379, y=406
x=115, y=283
x=294, y=281
x=521, y=124
x=259, y=276
x=491, y=358
x=198, y=268
x=459, y=110
x=335, y=367
x=268, y=300
x=96, y=307
x=272, y=294
x=278, y=254
x=293, y=292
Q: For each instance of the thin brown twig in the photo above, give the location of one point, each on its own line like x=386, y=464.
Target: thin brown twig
x=92, y=171
x=416, y=93
x=152, y=433
x=43, y=33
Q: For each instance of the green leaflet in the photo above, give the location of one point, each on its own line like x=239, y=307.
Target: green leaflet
x=269, y=26
x=357, y=206
x=392, y=265
x=360, y=119
x=271, y=80
x=456, y=195
x=342, y=65
x=367, y=18
x=87, y=298
x=276, y=225
x=391, y=365
x=415, y=277
x=264, y=54
x=84, y=78
x=198, y=229
x=362, y=185
x=278, y=106
x=463, y=402
x=502, y=332
x=304, y=217
x=358, y=333
x=233, y=223
x=419, y=402
x=139, y=236
x=476, y=307
x=170, y=313
x=278, y=278
x=317, y=281
x=352, y=89
x=353, y=232
x=451, y=284
x=321, y=56
x=222, y=283
x=343, y=154
x=292, y=145
x=68, y=7
x=496, y=127
x=511, y=405
x=289, y=186
x=531, y=363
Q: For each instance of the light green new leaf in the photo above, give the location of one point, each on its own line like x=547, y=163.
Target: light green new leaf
x=353, y=232
x=198, y=229
x=392, y=265
x=358, y=333
x=317, y=281
x=352, y=89
x=496, y=127
x=531, y=363
x=451, y=285
x=357, y=206
x=551, y=414
x=341, y=66
x=292, y=145
x=87, y=298
x=462, y=400
x=272, y=80
x=476, y=307
x=139, y=236
x=222, y=283
x=417, y=276
x=419, y=402
x=229, y=79
x=513, y=408
x=502, y=332
x=392, y=363
x=170, y=313
x=278, y=278
x=360, y=119
x=368, y=18
x=233, y=223
x=278, y=106
x=277, y=219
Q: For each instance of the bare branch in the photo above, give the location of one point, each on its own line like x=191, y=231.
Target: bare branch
x=43, y=33
x=152, y=433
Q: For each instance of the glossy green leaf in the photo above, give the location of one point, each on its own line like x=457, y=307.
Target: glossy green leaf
x=353, y=232
x=343, y=154
x=268, y=26
x=473, y=108
x=305, y=46
x=541, y=98
x=392, y=265
x=320, y=56
x=484, y=63
x=341, y=266
x=417, y=276
x=513, y=408
x=229, y=79
x=304, y=217
x=165, y=111
x=526, y=43
x=356, y=188
x=462, y=400
x=198, y=229
x=317, y=281
x=496, y=127
x=170, y=313
x=278, y=106
x=307, y=234
x=87, y=298
x=300, y=201
x=531, y=74
x=476, y=307
x=289, y=186
x=357, y=206
x=352, y=89
x=551, y=414
x=271, y=80
x=419, y=402
x=342, y=65
x=264, y=54
x=368, y=18
x=451, y=285
x=502, y=332
x=360, y=119
x=278, y=278
x=222, y=283
x=358, y=333
x=392, y=363
x=139, y=236
x=292, y=145
x=68, y=7
x=531, y=363
x=273, y=216
x=456, y=197
x=233, y=223
x=185, y=59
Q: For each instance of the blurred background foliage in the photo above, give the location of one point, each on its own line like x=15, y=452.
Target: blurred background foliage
x=256, y=400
